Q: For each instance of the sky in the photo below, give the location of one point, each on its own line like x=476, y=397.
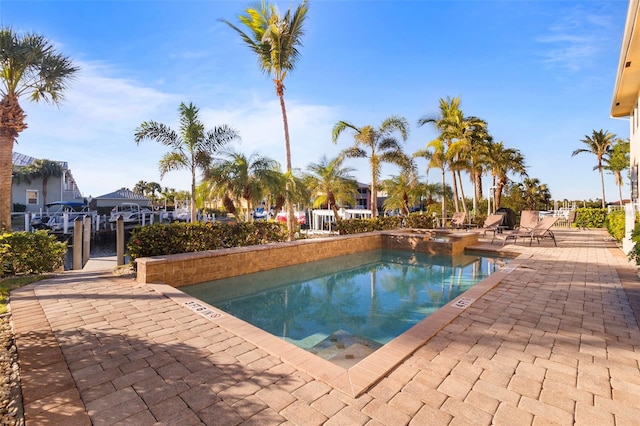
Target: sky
x=541, y=73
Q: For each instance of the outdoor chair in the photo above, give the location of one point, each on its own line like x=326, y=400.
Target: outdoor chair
x=529, y=219
x=457, y=221
x=540, y=231
x=492, y=224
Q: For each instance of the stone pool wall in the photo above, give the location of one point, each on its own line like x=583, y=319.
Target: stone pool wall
x=191, y=268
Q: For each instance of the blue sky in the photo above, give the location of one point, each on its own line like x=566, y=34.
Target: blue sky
x=541, y=73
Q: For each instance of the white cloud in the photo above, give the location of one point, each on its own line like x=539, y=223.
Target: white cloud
x=93, y=130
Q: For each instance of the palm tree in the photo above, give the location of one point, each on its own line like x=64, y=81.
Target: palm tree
x=247, y=178
x=192, y=148
x=330, y=183
x=42, y=169
x=404, y=190
x=382, y=147
x=458, y=134
x=535, y=194
x=436, y=156
x=29, y=66
x=275, y=40
x=504, y=161
x=598, y=144
x=618, y=161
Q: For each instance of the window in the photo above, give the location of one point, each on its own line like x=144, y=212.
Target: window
x=32, y=197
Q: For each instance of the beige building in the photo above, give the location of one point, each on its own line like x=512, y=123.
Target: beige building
x=626, y=97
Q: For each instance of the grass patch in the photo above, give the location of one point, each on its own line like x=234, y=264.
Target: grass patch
x=11, y=283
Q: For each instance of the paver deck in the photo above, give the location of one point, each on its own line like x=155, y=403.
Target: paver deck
x=555, y=342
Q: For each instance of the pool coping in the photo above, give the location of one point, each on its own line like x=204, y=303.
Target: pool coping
x=356, y=380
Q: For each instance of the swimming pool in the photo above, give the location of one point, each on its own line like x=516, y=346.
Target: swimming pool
x=344, y=308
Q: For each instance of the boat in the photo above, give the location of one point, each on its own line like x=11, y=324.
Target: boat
x=299, y=216
x=182, y=212
x=261, y=214
x=53, y=218
x=131, y=213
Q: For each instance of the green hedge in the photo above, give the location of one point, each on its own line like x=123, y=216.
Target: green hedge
x=615, y=223
x=591, y=218
x=159, y=239
x=358, y=226
x=30, y=253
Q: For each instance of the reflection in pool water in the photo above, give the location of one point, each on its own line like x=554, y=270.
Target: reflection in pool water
x=364, y=299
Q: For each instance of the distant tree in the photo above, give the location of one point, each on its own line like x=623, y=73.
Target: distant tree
x=503, y=162
x=618, y=161
x=29, y=66
x=192, y=148
x=435, y=153
x=275, y=39
x=378, y=145
x=536, y=195
x=140, y=187
x=598, y=144
x=244, y=178
x=331, y=183
x=403, y=190
x=40, y=169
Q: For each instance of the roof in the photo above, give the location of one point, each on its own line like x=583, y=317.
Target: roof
x=625, y=94
x=22, y=160
x=123, y=194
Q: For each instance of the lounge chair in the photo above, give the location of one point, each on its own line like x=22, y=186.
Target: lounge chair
x=492, y=224
x=540, y=231
x=529, y=219
x=457, y=221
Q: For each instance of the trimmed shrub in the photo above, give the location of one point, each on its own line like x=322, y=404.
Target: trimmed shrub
x=159, y=239
x=591, y=218
x=380, y=223
x=31, y=253
x=615, y=223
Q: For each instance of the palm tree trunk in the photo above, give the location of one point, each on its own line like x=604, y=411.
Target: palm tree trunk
x=455, y=190
x=602, y=182
x=45, y=182
x=192, y=205
x=374, y=196
x=444, y=198
x=464, y=204
x=6, y=163
x=287, y=146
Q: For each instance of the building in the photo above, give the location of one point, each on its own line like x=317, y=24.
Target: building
x=626, y=95
x=31, y=193
x=116, y=198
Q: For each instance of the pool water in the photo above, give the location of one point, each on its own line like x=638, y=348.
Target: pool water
x=362, y=300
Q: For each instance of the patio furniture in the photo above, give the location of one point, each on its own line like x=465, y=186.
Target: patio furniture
x=492, y=224
x=540, y=231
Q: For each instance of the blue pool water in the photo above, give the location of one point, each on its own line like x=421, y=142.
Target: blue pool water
x=367, y=298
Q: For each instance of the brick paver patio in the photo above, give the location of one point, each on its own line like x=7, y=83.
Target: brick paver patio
x=555, y=342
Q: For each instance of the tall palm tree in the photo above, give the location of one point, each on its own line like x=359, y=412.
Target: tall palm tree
x=598, y=144
x=192, y=147
x=29, y=66
x=42, y=169
x=448, y=109
x=245, y=178
x=618, y=161
x=458, y=132
x=331, y=183
x=435, y=153
x=379, y=145
x=503, y=162
x=275, y=40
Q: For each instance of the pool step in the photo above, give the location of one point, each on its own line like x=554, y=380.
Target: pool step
x=345, y=349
